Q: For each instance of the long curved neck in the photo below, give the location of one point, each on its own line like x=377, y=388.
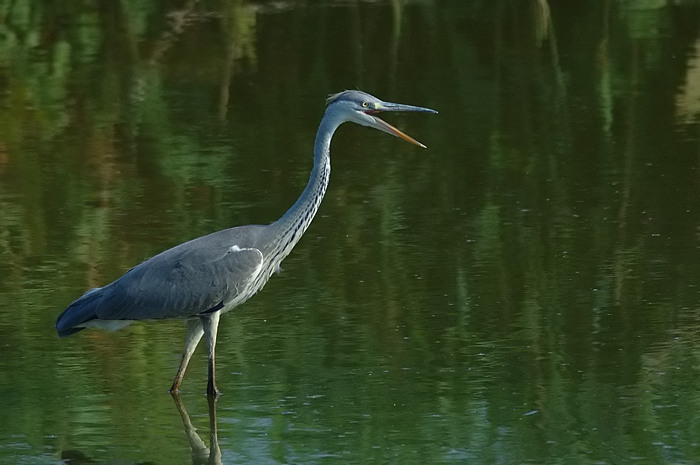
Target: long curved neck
x=289, y=229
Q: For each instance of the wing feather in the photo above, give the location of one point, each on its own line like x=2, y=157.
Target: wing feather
x=207, y=274
x=183, y=283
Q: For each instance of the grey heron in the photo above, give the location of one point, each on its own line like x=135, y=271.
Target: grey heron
x=210, y=275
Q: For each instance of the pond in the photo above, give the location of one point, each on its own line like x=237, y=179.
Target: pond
x=524, y=290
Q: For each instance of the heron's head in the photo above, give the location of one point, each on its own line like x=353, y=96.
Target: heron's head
x=362, y=108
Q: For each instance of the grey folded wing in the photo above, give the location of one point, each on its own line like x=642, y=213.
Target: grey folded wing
x=182, y=282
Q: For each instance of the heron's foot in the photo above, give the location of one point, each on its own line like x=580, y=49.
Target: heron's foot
x=174, y=388
x=213, y=391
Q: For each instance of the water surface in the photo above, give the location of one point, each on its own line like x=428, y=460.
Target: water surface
x=523, y=291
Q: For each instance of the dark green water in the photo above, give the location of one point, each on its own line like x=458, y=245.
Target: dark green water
x=526, y=290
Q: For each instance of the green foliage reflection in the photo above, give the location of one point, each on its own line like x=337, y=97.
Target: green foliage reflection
x=525, y=291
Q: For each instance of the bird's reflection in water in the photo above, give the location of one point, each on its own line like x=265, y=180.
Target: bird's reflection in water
x=201, y=454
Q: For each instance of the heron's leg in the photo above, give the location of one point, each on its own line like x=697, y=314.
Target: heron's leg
x=210, y=323
x=194, y=334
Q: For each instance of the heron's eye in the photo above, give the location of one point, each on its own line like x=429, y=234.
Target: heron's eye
x=365, y=104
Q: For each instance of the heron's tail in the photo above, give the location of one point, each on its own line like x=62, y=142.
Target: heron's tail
x=79, y=312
